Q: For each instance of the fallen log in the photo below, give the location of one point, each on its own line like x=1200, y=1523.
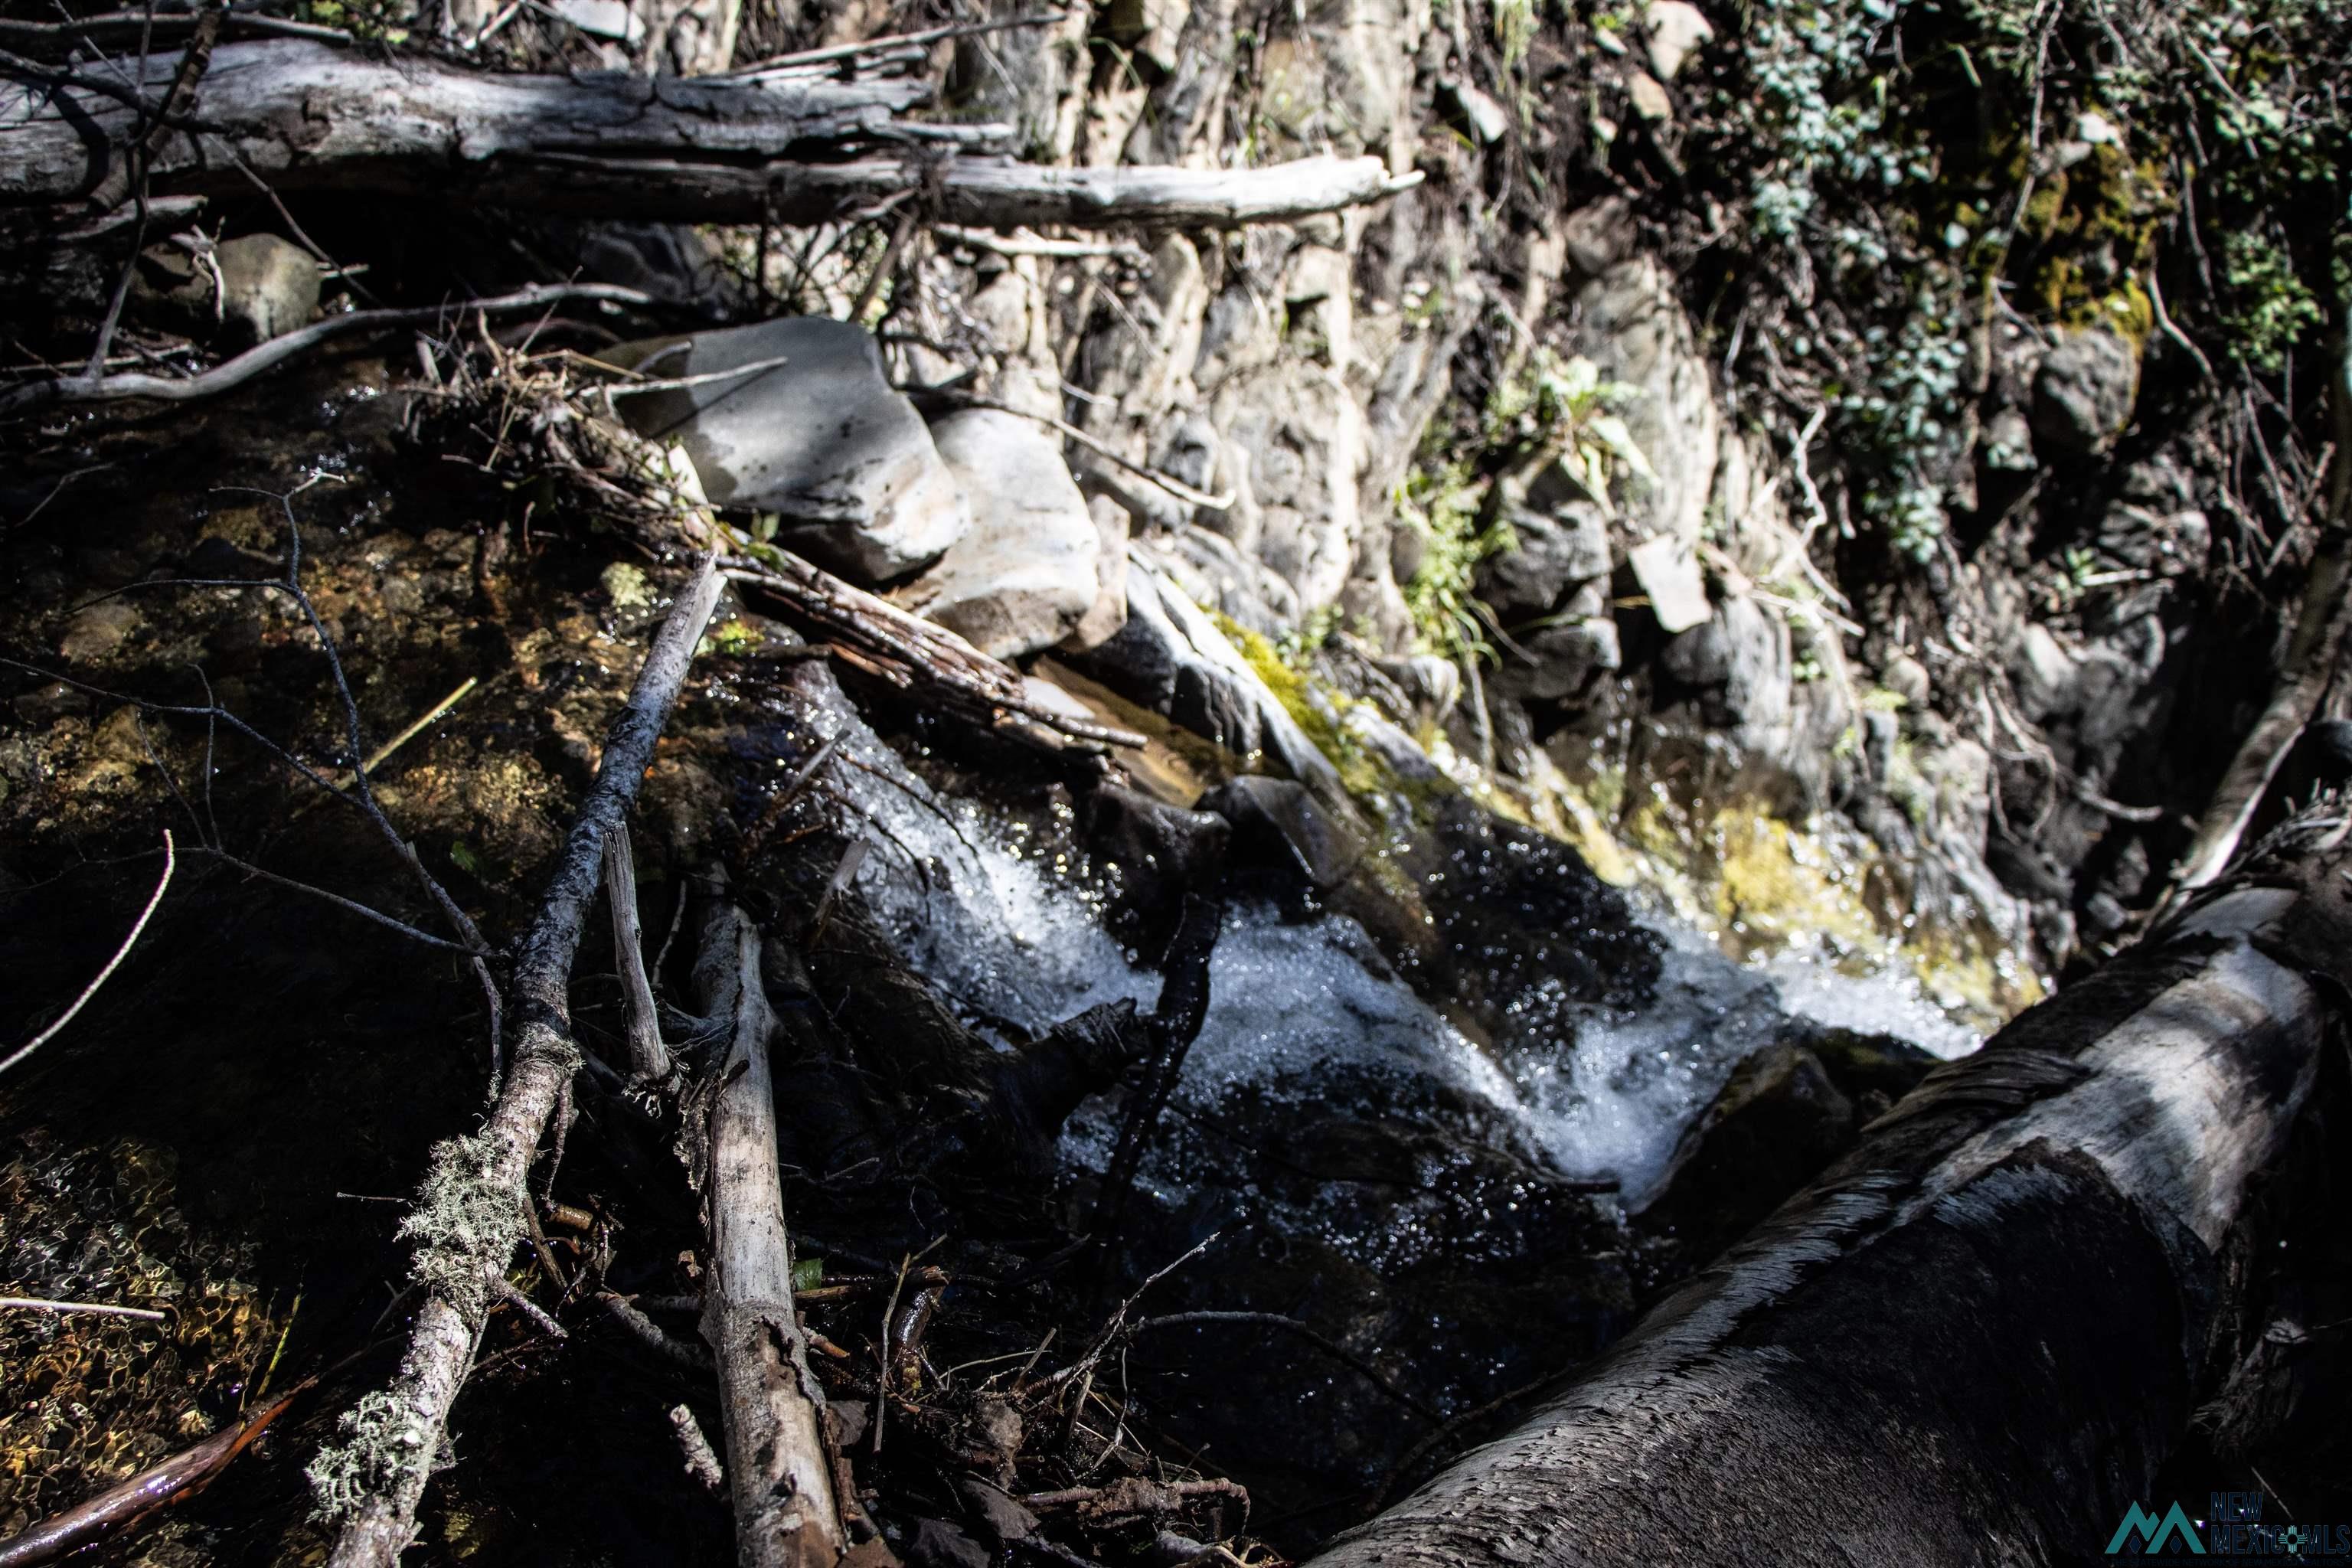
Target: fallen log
x=1973, y=1339
x=773, y=1407
x=876, y=635
x=469, y=1214
x=303, y=115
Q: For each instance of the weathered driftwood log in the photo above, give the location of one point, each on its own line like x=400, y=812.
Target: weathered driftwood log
x=469, y=1215
x=305, y=115
x=779, y=1465
x=1974, y=1339
x=879, y=637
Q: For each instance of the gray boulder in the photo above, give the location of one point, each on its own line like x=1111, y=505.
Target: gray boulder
x=1567, y=658
x=822, y=440
x=1024, y=575
x=244, y=291
x=1553, y=553
x=2084, y=393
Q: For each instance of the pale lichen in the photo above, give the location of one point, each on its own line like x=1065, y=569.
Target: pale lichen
x=381, y=1437
x=465, y=1220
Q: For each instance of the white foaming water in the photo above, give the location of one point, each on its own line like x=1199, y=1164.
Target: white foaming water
x=1008, y=936
x=1018, y=938
x=1880, y=1004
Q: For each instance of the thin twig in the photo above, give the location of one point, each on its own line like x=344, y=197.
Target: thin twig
x=353, y=906
x=93, y=1309
x=1174, y=486
x=236, y=373
x=90, y=990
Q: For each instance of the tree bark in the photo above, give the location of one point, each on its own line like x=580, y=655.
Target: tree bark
x=469, y=1216
x=305, y=115
x=1973, y=1339
x=778, y=1464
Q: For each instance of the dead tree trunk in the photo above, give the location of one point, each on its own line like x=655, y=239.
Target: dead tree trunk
x=790, y=149
x=779, y=1466
x=1973, y=1339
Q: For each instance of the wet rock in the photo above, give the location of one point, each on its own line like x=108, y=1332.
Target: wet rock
x=1567, y=658
x=242, y=291
x=1163, y=852
x=1779, y=1121
x=44, y=705
x=822, y=440
x=1278, y=816
x=1676, y=30
x=1171, y=658
x=1553, y=551
x=936, y=1544
x=1528, y=930
x=94, y=635
x=1023, y=575
x=2084, y=393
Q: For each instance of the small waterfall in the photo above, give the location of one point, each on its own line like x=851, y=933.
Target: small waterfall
x=1005, y=917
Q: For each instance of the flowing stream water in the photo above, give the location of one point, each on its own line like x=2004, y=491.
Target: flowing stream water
x=1013, y=930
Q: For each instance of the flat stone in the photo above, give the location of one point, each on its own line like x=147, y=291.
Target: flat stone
x=1024, y=575
x=1649, y=97
x=1667, y=568
x=1676, y=30
x=822, y=440
x=94, y=635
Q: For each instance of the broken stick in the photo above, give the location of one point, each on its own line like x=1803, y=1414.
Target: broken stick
x=650, y=1059
x=769, y=1403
